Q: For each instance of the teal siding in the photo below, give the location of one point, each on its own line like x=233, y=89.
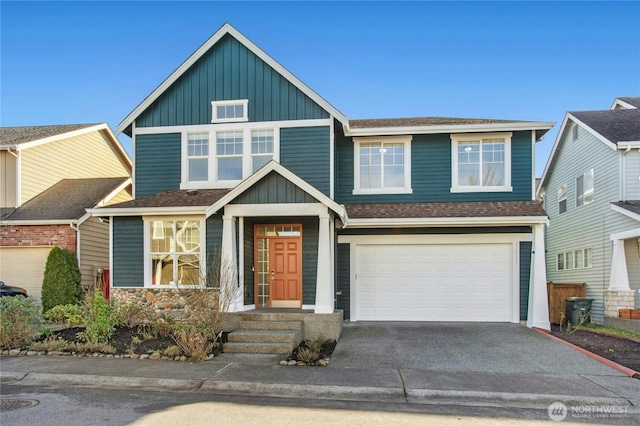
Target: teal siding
x=128, y=252
x=157, y=163
x=343, y=282
x=305, y=151
x=431, y=172
x=525, y=270
x=274, y=189
x=214, y=235
x=249, y=279
x=229, y=71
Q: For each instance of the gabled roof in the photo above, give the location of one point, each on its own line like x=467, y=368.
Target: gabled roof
x=629, y=102
x=174, y=198
x=224, y=30
x=67, y=200
x=628, y=208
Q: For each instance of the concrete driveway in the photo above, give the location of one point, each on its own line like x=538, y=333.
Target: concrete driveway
x=459, y=347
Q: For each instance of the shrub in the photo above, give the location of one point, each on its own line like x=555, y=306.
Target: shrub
x=195, y=342
x=307, y=355
x=62, y=280
x=20, y=322
x=173, y=351
x=101, y=319
x=93, y=347
x=131, y=315
x=315, y=345
x=52, y=344
x=66, y=314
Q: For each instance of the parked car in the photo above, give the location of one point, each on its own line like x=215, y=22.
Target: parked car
x=7, y=290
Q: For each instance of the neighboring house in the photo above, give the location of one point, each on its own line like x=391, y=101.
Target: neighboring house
x=417, y=219
x=591, y=188
x=50, y=175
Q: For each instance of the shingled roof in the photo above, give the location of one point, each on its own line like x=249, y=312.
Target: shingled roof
x=66, y=200
x=632, y=206
x=10, y=136
x=617, y=125
x=445, y=210
x=421, y=121
x=175, y=198
x=631, y=100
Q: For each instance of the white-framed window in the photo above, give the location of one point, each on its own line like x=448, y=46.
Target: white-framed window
x=584, y=188
x=229, y=111
x=198, y=157
x=574, y=132
x=481, y=162
x=174, y=254
x=562, y=199
x=262, y=148
x=575, y=259
x=382, y=165
x=229, y=149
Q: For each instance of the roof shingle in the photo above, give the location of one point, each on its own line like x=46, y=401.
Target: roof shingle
x=421, y=121
x=175, y=198
x=632, y=206
x=445, y=210
x=10, y=136
x=617, y=125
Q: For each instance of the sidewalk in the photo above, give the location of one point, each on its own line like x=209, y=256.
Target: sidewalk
x=262, y=376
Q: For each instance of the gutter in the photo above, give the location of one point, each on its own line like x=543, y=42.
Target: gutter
x=446, y=221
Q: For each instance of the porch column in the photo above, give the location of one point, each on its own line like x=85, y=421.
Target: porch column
x=618, y=280
x=230, y=292
x=538, y=314
x=324, y=277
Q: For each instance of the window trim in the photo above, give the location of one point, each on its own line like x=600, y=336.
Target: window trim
x=564, y=198
x=574, y=255
x=406, y=141
x=216, y=104
x=148, y=223
x=456, y=139
x=584, y=192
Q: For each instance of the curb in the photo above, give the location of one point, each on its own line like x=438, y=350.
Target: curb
x=621, y=368
x=114, y=382
x=11, y=376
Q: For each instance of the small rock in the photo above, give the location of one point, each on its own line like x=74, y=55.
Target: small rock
x=96, y=354
x=211, y=356
x=164, y=357
x=14, y=352
x=284, y=362
x=24, y=352
x=5, y=352
x=176, y=358
x=109, y=356
x=126, y=356
x=301, y=363
x=31, y=353
x=144, y=356
x=292, y=362
x=41, y=352
x=55, y=353
x=154, y=356
x=116, y=356
x=321, y=363
x=135, y=356
x=183, y=358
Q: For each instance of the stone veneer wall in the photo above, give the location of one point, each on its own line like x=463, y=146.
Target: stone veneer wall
x=614, y=300
x=178, y=304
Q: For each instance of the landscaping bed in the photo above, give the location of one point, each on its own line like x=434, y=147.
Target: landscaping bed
x=622, y=350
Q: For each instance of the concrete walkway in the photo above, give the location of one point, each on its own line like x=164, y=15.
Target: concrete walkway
x=414, y=363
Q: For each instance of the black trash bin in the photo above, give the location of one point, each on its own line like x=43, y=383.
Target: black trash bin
x=578, y=310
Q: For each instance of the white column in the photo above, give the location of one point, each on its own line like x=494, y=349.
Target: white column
x=229, y=285
x=324, y=277
x=538, y=315
x=618, y=280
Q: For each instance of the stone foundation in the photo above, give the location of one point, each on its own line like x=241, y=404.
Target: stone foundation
x=614, y=300
x=178, y=304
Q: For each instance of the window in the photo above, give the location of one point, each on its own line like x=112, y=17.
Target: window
x=198, y=156
x=174, y=252
x=576, y=259
x=584, y=188
x=229, y=111
x=562, y=199
x=574, y=132
x=382, y=165
x=261, y=148
x=560, y=261
x=481, y=162
x=229, y=155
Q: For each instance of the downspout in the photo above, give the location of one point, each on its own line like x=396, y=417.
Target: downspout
x=77, y=229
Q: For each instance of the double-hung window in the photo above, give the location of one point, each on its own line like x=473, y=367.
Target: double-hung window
x=382, y=165
x=562, y=199
x=481, y=162
x=262, y=148
x=229, y=148
x=198, y=156
x=174, y=252
x=584, y=188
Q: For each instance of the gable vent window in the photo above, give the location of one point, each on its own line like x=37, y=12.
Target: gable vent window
x=229, y=111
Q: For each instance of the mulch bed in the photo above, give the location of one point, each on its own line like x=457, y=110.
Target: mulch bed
x=625, y=352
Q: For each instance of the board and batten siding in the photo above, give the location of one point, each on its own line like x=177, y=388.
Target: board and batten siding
x=94, y=249
x=8, y=185
x=525, y=278
x=128, y=252
x=229, y=71
x=587, y=226
x=305, y=151
x=431, y=168
x=343, y=279
x=157, y=163
x=274, y=189
x=90, y=155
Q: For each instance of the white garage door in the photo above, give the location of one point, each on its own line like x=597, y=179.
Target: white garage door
x=454, y=282
x=24, y=267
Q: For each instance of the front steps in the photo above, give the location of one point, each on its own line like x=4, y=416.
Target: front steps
x=265, y=333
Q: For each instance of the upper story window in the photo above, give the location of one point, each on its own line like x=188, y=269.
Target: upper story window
x=562, y=199
x=262, y=148
x=584, y=188
x=574, y=132
x=481, y=162
x=198, y=156
x=229, y=111
x=382, y=165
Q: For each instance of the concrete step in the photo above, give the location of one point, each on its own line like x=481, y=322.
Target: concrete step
x=272, y=315
x=269, y=325
x=258, y=348
x=266, y=336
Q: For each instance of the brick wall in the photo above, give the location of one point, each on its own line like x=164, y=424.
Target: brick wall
x=38, y=235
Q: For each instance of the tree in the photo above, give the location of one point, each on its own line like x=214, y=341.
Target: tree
x=62, y=279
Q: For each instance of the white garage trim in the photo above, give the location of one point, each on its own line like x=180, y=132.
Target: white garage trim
x=500, y=243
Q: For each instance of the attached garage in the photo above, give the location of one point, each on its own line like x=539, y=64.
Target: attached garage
x=24, y=267
x=440, y=279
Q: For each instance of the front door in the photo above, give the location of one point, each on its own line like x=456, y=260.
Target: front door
x=278, y=266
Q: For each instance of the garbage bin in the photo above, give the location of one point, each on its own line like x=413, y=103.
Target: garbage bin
x=578, y=310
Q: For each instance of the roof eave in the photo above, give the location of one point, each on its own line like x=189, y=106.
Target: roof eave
x=39, y=222
x=625, y=212
x=448, y=221
x=148, y=211
x=462, y=128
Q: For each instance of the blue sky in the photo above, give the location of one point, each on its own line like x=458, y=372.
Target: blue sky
x=84, y=62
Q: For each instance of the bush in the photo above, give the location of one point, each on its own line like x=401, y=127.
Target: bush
x=20, y=322
x=195, y=342
x=52, y=344
x=62, y=280
x=101, y=319
x=132, y=315
x=66, y=314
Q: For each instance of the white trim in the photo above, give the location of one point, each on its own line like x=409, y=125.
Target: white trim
x=111, y=254
x=538, y=308
x=450, y=128
x=332, y=142
x=234, y=102
x=39, y=222
x=625, y=212
x=84, y=218
x=434, y=239
x=606, y=141
x=447, y=221
x=195, y=128
x=457, y=139
x=148, y=211
x=622, y=145
x=224, y=30
x=115, y=192
x=274, y=210
x=406, y=141
x=533, y=165
x=134, y=133
x=625, y=235
x=619, y=102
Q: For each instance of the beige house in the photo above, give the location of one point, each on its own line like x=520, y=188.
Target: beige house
x=49, y=176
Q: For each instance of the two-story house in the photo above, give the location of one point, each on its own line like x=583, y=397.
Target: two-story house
x=49, y=176
x=416, y=219
x=591, y=188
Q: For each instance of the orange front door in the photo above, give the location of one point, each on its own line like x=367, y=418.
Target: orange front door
x=285, y=269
